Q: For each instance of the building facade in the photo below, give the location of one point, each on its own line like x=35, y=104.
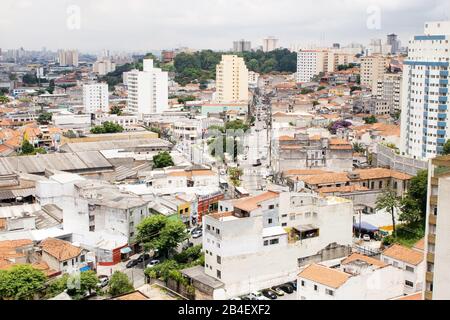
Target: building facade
x=95, y=97
x=231, y=80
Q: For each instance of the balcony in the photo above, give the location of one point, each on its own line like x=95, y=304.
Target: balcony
x=432, y=239
x=443, y=90
x=429, y=276
x=428, y=295
x=430, y=257
x=443, y=107
x=443, y=99
x=443, y=82
x=442, y=124
x=440, y=140
x=443, y=73
x=432, y=219
x=433, y=200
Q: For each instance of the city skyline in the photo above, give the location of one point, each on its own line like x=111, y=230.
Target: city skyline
x=92, y=26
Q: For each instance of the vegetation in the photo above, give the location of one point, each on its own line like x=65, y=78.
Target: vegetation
x=370, y=120
x=107, y=127
x=389, y=201
x=21, y=282
x=446, y=150
x=344, y=67
x=116, y=110
x=306, y=91
x=159, y=232
x=235, y=176
x=162, y=160
x=30, y=78
x=51, y=86
x=334, y=126
x=355, y=88
x=414, y=205
x=3, y=99
x=28, y=149
x=183, y=100
x=44, y=118
x=359, y=147
x=119, y=284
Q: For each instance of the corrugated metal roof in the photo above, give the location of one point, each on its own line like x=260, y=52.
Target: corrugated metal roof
x=115, y=144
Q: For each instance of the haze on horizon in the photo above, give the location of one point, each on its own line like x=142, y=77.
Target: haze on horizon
x=139, y=25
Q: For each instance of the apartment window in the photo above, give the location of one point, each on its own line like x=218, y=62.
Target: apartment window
x=208, y=227
x=284, y=224
x=82, y=258
x=65, y=264
x=410, y=269
x=316, y=288
x=329, y=292
x=274, y=241
x=266, y=243
x=218, y=231
x=271, y=207
x=269, y=221
x=219, y=260
x=409, y=284
x=395, y=264
x=219, y=274
x=302, y=283
x=91, y=228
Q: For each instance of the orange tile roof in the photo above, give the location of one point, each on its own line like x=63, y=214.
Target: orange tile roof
x=286, y=138
x=380, y=173
x=352, y=188
x=420, y=245
x=304, y=172
x=360, y=257
x=137, y=295
x=334, y=177
x=404, y=254
x=252, y=203
x=60, y=249
x=329, y=277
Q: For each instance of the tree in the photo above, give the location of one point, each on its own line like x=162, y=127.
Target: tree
x=21, y=282
x=4, y=100
x=44, y=118
x=88, y=281
x=410, y=211
x=370, y=120
x=389, y=201
x=235, y=176
x=446, y=150
x=418, y=189
x=162, y=160
x=359, y=147
x=158, y=232
x=27, y=148
x=119, y=284
x=51, y=86
x=116, y=110
x=107, y=127
x=56, y=286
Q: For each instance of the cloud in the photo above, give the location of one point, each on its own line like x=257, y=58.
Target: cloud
x=156, y=24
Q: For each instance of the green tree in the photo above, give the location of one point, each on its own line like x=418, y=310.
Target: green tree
x=4, y=100
x=88, y=281
x=27, y=148
x=56, y=286
x=116, y=110
x=162, y=160
x=410, y=211
x=21, y=282
x=370, y=120
x=389, y=201
x=107, y=127
x=44, y=118
x=418, y=189
x=119, y=284
x=235, y=176
x=359, y=147
x=446, y=150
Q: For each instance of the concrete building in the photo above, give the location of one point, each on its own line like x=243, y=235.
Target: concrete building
x=389, y=90
x=437, y=249
x=358, y=277
x=372, y=69
x=103, y=66
x=393, y=42
x=242, y=46
x=270, y=44
x=247, y=249
x=95, y=97
x=62, y=256
x=253, y=78
x=231, y=80
x=68, y=58
x=425, y=92
x=309, y=64
x=147, y=90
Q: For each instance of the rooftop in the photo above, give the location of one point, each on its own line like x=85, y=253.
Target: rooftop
x=359, y=257
x=329, y=277
x=404, y=254
x=60, y=249
x=252, y=203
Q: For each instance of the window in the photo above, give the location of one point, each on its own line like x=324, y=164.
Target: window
x=65, y=264
x=316, y=288
x=274, y=241
x=219, y=259
x=218, y=231
x=409, y=284
x=410, y=269
x=329, y=292
x=266, y=242
x=269, y=221
x=208, y=227
x=271, y=207
x=219, y=274
x=303, y=283
x=396, y=264
x=82, y=258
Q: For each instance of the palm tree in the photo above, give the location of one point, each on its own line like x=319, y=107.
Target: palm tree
x=389, y=201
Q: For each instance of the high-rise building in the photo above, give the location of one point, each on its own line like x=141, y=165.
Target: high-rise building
x=95, y=97
x=270, y=44
x=393, y=42
x=310, y=63
x=389, y=89
x=437, y=239
x=103, y=66
x=372, y=69
x=147, y=89
x=425, y=105
x=242, y=46
x=231, y=80
x=68, y=58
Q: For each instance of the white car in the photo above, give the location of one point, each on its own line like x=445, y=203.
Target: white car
x=366, y=237
x=153, y=263
x=257, y=296
x=197, y=234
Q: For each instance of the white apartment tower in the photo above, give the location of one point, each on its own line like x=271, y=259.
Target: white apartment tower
x=95, y=97
x=425, y=92
x=270, y=44
x=68, y=58
x=147, y=90
x=309, y=64
x=372, y=69
x=231, y=80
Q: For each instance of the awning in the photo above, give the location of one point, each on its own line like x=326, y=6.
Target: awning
x=84, y=269
x=125, y=250
x=365, y=226
x=306, y=227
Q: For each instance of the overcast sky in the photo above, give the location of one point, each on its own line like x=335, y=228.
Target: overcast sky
x=135, y=25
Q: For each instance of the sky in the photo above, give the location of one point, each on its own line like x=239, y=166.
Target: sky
x=145, y=25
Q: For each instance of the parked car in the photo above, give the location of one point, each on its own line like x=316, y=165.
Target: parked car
x=153, y=263
x=256, y=295
x=195, y=229
x=366, y=237
x=293, y=284
x=102, y=281
x=236, y=298
x=278, y=291
x=287, y=288
x=245, y=297
x=197, y=234
x=131, y=263
x=269, y=294
x=143, y=257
